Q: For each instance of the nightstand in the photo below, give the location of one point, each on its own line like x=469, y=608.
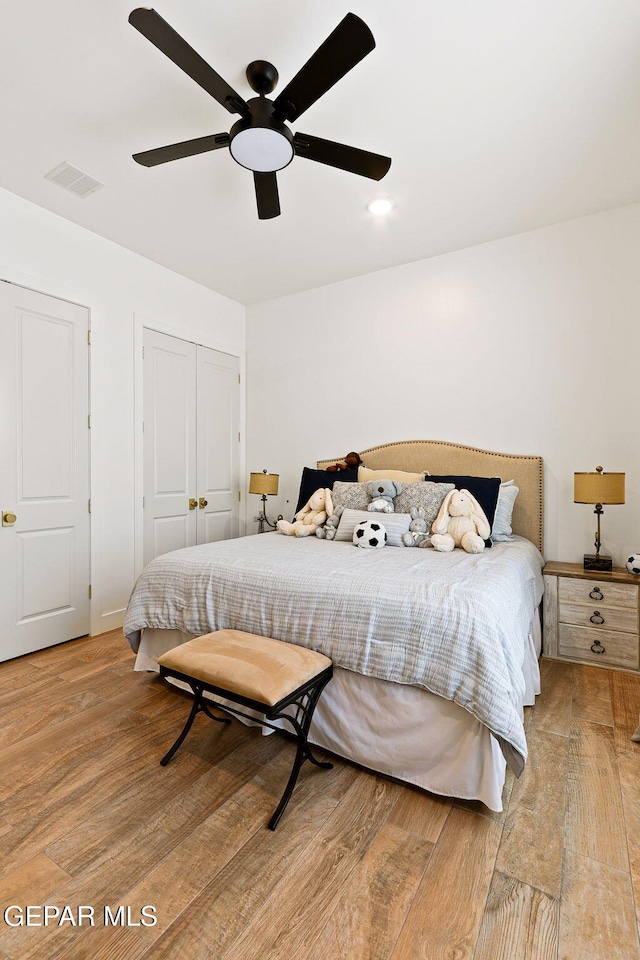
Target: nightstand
x=591, y=617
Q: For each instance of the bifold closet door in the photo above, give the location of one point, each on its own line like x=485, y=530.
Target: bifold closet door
x=191, y=444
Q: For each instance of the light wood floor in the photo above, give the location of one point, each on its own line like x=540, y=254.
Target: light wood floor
x=358, y=868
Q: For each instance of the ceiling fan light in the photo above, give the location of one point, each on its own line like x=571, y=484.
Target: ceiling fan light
x=380, y=207
x=261, y=149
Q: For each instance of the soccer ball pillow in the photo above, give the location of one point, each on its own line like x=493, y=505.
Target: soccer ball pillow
x=369, y=533
x=633, y=563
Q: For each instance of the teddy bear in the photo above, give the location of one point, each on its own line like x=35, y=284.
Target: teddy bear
x=382, y=493
x=461, y=522
x=330, y=528
x=418, y=534
x=351, y=462
x=307, y=520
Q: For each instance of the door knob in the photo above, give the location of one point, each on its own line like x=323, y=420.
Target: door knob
x=192, y=503
x=8, y=518
x=202, y=503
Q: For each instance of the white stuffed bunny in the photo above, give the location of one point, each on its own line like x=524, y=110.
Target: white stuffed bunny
x=307, y=520
x=461, y=522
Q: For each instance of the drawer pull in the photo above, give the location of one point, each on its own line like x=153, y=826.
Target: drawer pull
x=597, y=647
x=596, y=617
x=596, y=594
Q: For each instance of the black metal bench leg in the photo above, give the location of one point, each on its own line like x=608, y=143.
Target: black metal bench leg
x=305, y=709
x=198, y=705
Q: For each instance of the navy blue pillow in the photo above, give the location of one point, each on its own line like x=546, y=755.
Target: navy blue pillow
x=312, y=480
x=484, y=489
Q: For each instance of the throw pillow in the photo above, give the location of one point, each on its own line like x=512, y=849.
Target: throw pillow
x=394, y=523
x=426, y=494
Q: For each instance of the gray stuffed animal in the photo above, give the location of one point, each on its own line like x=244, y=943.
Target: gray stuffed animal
x=382, y=493
x=418, y=535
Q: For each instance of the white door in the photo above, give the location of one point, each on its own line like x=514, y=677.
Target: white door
x=44, y=471
x=191, y=444
x=170, y=492
x=218, y=418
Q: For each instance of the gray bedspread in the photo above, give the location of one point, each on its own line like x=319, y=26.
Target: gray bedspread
x=455, y=624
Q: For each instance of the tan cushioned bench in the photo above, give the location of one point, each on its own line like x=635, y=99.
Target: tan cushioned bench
x=266, y=675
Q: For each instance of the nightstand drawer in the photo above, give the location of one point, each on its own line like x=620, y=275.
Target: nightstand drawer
x=598, y=591
x=599, y=616
x=620, y=649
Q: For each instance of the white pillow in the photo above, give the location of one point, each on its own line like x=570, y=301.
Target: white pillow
x=501, y=530
x=364, y=475
x=394, y=523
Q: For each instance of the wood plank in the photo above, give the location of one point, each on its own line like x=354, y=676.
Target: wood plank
x=421, y=813
x=308, y=894
x=628, y=766
x=538, y=797
x=446, y=915
x=218, y=915
x=31, y=882
x=207, y=850
x=552, y=710
x=597, y=919
x=592, y=694
x=626, y=711
x=519, y=922
x=369, y=916
x=593, y=787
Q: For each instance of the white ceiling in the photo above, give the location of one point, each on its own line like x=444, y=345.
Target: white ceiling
x=500, y=116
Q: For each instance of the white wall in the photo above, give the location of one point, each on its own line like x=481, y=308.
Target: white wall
x=525, y=345
x=123, y=290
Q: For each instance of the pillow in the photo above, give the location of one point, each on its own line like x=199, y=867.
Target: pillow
x=394, y=523
x=501, y=530
x=352, y=496
x=364, y=474
x=313, y=480
x=425, y=494
x=484, y=489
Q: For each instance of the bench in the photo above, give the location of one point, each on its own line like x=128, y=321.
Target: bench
x=278, y=680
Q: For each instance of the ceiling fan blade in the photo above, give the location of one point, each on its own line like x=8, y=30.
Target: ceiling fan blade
x=187, y=148
x=352, y=159
x=151, y=25
x=266, y=195
x=343, y=49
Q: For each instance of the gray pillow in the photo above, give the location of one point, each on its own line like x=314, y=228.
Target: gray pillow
x=350, y=496
x=394, y=523
x=425, y=494
x=501, y=530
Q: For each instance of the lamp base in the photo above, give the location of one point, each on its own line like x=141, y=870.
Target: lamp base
x=593, y=561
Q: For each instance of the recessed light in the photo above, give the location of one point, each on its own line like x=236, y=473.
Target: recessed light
x=380, y=206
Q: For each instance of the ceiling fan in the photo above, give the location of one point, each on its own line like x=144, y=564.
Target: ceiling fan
x=261, y=139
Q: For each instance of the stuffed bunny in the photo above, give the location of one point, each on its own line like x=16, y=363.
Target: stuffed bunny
x=418, y=534
x=310, y=517
x=330, y=528
x=382, y=493
x=461, y=522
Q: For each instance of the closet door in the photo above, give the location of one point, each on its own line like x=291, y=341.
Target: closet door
x=218, y=418
x=170, y=491
x=191, y=444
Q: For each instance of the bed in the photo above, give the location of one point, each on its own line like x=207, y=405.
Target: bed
x=435, y=654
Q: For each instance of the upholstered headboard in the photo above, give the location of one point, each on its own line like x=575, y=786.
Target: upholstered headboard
x=439, y=457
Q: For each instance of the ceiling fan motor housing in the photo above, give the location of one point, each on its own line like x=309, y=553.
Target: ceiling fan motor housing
x=259, y=141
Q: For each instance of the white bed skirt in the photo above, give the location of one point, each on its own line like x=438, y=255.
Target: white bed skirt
x=402, y=731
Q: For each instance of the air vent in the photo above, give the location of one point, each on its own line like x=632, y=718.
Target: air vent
x=73, y=179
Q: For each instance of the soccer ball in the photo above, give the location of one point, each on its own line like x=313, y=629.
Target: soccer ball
x=633, y=563
x=369, y=533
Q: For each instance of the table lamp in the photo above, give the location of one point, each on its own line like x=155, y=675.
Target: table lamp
x=266, y=485
x=598, y=488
